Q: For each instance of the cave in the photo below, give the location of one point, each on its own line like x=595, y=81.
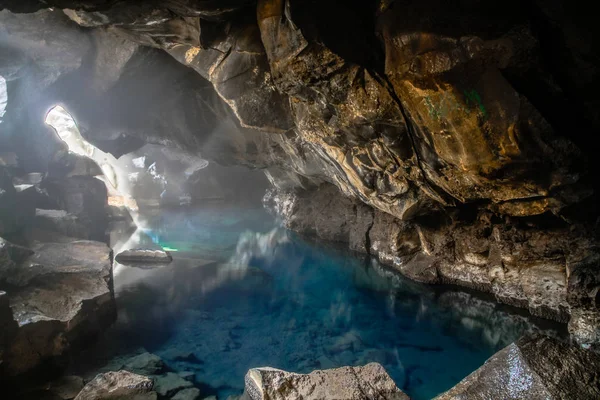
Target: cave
x=286, y=199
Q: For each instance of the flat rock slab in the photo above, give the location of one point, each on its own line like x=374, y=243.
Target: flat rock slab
x=144, y=256
x=533, y=368
x=348, y=383
x=81, y=256
x=119, y=385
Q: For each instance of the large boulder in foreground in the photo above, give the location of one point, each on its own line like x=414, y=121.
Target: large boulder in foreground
x=533, y=368
x=121, y=385
x=60, y=297
x=349, y=383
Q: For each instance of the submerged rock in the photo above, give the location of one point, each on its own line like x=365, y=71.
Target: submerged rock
x=145, y=364
x=187, y=394
x=121, y=385
x=144, y=256
x=533, y=368
x=169, y=384
x=349, y=383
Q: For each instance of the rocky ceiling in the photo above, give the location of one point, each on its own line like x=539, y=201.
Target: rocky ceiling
x=408, y=106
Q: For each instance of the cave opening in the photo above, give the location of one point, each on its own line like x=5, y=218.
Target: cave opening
x=111, y=170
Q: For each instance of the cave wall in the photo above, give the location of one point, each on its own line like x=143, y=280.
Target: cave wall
x=461, y=136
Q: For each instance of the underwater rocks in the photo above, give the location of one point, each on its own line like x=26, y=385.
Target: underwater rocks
x=119, y=385
x=524, y=263
x=60, y=297
x=171, y=384
x=144, y=256
x=350, y=383
x=533, y=368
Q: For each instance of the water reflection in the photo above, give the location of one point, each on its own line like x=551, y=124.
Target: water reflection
x=241, y=294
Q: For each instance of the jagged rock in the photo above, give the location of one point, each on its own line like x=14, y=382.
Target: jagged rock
x=521, y=265
x=170, y=383
x=144, y=256
x=119, y=385
x=368, y=382
x=584, y=327
x=533, y=368
x=145, y=364
x=61, y=296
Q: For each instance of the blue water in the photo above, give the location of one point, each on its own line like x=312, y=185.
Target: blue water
x=243, y=293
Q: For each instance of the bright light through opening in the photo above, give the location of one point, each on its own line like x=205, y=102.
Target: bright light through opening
x=114, y=175
x=67, y=130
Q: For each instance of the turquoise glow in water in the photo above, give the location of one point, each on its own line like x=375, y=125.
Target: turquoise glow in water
x=243, y=293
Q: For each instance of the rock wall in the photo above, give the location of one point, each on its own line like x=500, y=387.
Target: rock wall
x=458, y=134
x=529, y=263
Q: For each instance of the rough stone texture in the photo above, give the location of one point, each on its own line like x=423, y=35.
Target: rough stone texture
x=60, y=297
x=522, y=264
x=144, y=256
x=533, y=368
x=119, y=385
x=368, y=382
x=461, y=135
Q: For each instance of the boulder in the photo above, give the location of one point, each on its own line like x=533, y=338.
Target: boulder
x=121, y=385
x=61, y=297
x=351, y=383
x=144, y=256
x=534, y=367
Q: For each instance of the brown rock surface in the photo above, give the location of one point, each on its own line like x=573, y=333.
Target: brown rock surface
x=350, y=383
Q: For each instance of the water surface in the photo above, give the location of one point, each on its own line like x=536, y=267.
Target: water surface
x=243, y=293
